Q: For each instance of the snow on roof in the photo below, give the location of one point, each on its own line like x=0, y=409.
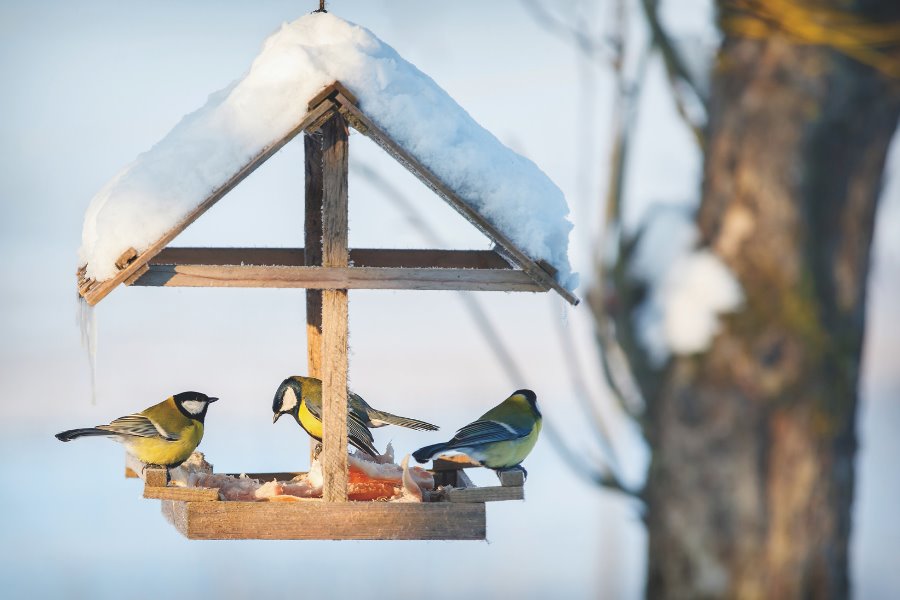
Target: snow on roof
x=162, y=186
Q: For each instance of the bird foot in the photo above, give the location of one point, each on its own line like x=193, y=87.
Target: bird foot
x=153, y=466
x=510, y=469
x=317, y=451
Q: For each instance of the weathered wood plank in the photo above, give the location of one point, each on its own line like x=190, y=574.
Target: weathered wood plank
x=425, y=175
x=94, y=294
x=312, y=256
x=335, y=253
x=329, y=92
x=485, y=494
x=373, y=278
x=312, y=253
x=190, y=494
x=512, y=478
x=317, y=520
x=359, y=257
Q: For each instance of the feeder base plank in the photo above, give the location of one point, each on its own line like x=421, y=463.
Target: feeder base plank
x=485, y=494
x=316, y=520
x=193, y=494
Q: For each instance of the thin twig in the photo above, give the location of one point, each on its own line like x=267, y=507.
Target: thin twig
x=583, y=40
x=583, y=395
x=675, y=63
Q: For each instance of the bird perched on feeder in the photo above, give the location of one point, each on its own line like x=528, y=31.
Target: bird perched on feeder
x=301, y=397
x=165, y=434
x=500, y=439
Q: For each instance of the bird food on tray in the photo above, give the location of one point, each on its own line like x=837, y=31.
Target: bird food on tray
x=377, y=478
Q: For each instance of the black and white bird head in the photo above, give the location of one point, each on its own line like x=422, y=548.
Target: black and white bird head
x=287, y=399
x=193, y=405
x=530, y=397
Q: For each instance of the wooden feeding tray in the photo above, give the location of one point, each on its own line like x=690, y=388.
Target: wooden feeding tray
x=455, y=510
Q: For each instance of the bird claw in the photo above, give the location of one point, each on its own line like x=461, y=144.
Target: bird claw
x=153, y=466
x=515, y=468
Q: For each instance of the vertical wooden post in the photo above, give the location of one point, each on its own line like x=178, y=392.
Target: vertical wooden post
x=312, y=228
x=335, y=253
x=312, y=242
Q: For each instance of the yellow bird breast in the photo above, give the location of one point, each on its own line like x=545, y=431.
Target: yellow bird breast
x=157, y=451
x=310, y=423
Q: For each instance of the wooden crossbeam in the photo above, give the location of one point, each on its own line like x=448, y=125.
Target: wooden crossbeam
x=331, y=278
x=359, y=257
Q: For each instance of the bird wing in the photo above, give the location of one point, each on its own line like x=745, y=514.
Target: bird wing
x=481, y=432
x=140, y=426
x=356, y=427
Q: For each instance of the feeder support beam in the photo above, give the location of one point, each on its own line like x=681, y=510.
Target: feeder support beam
x=335, y=253
x=312, y=230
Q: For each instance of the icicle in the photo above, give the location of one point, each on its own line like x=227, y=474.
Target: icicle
x=87, y=323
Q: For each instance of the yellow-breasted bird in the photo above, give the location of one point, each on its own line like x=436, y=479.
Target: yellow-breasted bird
x=302, y=397
x=500, y=439
x=165, y=434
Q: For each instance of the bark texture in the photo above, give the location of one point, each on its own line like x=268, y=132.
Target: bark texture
x=750, y=488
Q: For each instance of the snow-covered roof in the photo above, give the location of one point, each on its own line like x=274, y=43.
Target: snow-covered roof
x=166, y=184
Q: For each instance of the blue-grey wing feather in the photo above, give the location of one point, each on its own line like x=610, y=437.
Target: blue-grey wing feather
x=139, y=426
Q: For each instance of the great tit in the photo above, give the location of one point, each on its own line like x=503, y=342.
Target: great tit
x=165, y=434
x=302, y=397
x=500, y=439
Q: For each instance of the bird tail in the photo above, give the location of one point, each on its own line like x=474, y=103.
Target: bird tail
x=424, y=454
x=71, y=434
x=379, y=418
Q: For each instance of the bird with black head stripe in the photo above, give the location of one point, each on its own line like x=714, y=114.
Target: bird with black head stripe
x=500, y=439
x=301, y=397
x=164, y=434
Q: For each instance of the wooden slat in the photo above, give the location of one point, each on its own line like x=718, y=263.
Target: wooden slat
x=190, y=494
x=512, y=478
x=312, y=235
x=317, y=520
x=329, y=92
x=359, y=257
x=94, y=294
x=335, y=253
x=372, y=278
x=425, y=175
x=485, y=494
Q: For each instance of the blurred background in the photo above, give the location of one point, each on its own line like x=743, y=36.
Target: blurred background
x=90, y=85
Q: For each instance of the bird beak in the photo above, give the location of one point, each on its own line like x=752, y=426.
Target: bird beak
x=210, y=400
x=275, y=417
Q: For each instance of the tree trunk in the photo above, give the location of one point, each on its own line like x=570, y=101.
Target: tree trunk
x=750, y=487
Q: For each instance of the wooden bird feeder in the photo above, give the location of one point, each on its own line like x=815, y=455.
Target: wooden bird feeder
x=327, y=269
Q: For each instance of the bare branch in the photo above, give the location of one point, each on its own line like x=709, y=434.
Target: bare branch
x=582, y=39
x=675, y=63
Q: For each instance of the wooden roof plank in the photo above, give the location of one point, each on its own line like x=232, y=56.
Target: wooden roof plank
x=98, y=292
x=380, y=137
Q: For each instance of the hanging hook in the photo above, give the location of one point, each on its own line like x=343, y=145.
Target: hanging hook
x=321, y=7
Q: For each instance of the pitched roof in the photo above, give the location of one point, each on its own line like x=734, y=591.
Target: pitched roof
x=156, y=197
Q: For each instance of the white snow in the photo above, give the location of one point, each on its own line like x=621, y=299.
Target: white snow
x=156, y=191
x=688, y=287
